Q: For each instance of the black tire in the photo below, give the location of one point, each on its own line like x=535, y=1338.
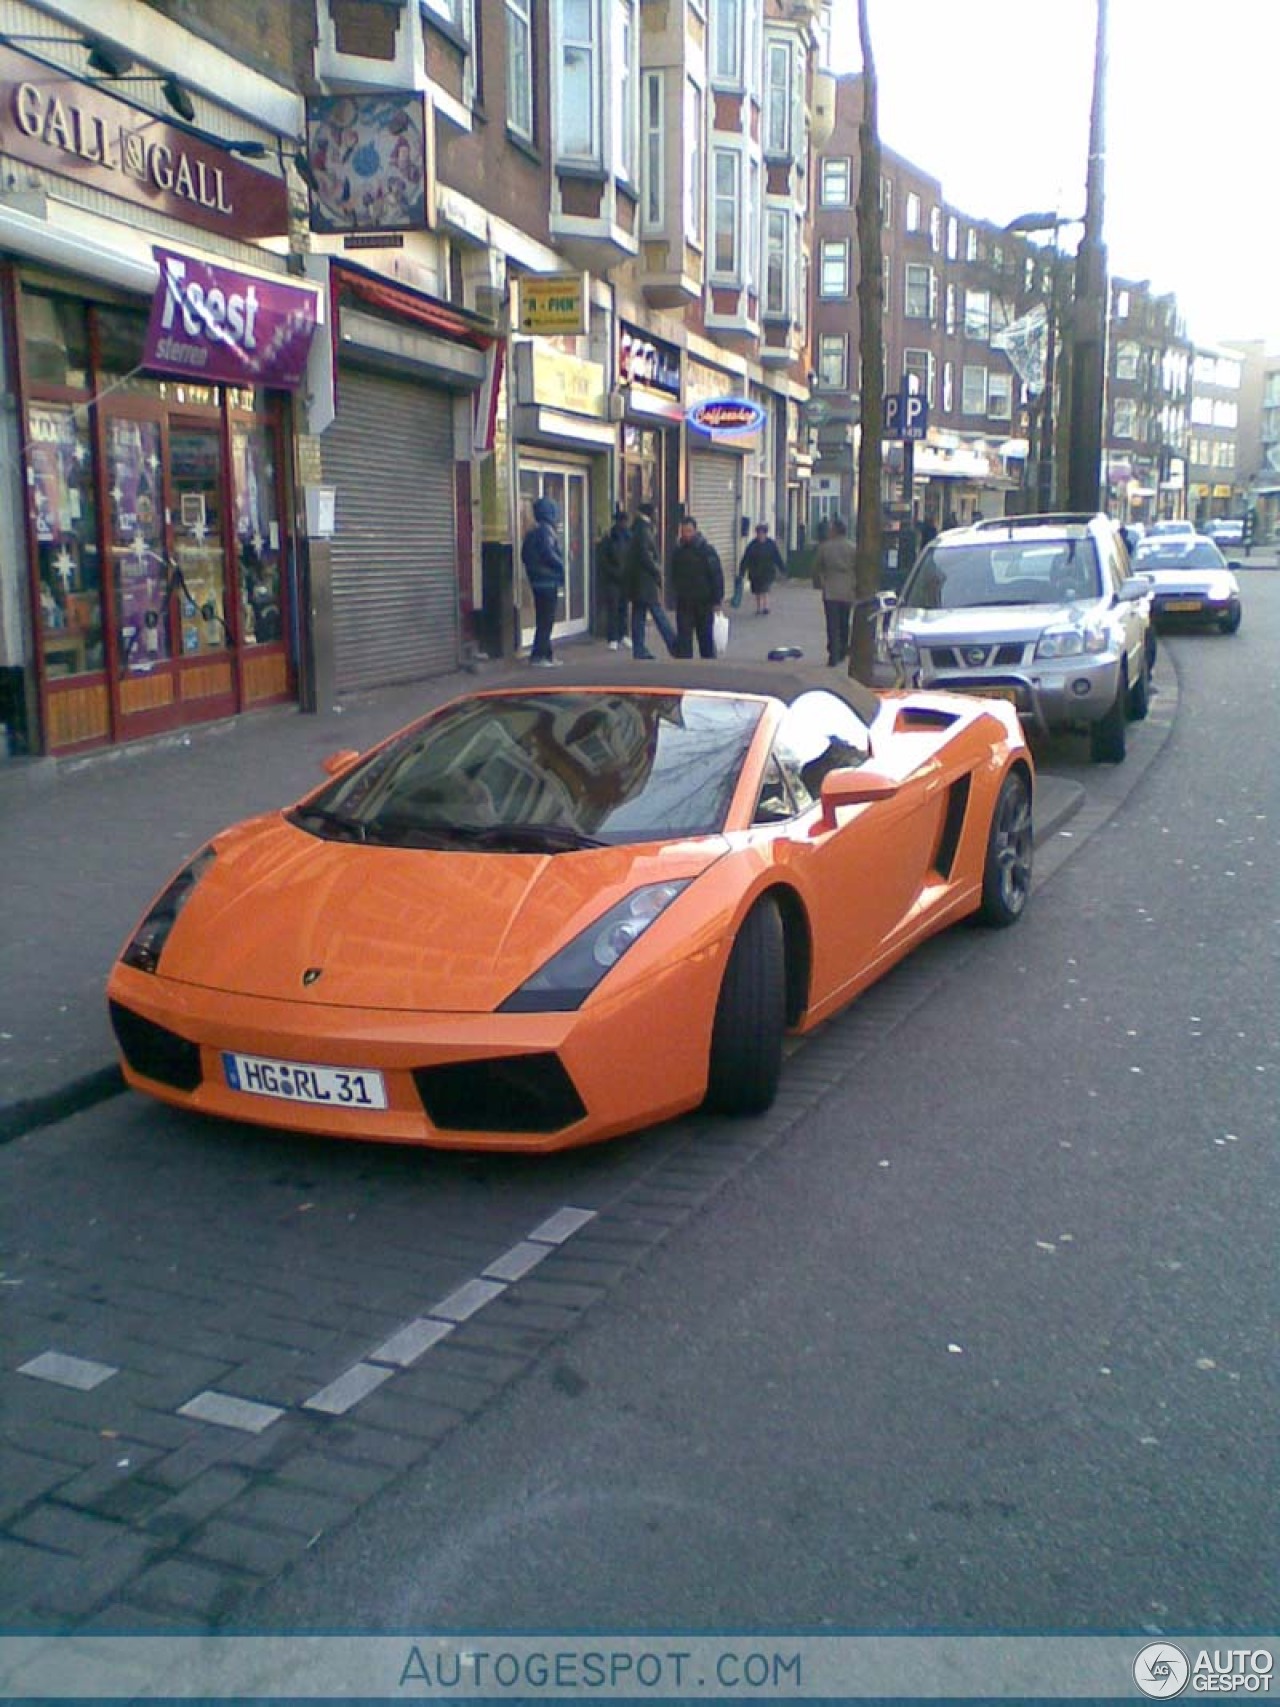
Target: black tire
x=751, y=1017
x=1107, y=736
x=1006, y=873
x=1139, y=697
x=1231, y=624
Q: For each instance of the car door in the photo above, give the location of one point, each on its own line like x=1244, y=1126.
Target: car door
x=1131, y=614
x=862, y=876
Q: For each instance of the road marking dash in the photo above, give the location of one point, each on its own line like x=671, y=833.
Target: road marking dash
x=407, y=1344
x=80, y=1373
x=562, y=1225
x=351, y=1386
x=227, y=1411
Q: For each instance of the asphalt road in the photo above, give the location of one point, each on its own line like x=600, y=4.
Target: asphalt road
x=974, y=1331
x=987, y=1341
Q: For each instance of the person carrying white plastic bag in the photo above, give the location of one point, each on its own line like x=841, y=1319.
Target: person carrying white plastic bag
x=720, y=632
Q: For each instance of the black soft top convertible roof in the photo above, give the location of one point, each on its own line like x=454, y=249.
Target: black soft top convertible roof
x=784, y=681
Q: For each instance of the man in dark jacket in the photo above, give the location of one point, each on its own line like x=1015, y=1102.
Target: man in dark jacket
x=611, y=564
x=642, y=584
x=697, y=584
x=544, y=565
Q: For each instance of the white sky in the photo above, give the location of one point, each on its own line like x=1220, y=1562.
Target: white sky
x=992, y=97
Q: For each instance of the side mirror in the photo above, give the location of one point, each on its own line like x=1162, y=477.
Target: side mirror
x=1234, y=563
x=1136, y=587
x=340, y=761
x=852, y=785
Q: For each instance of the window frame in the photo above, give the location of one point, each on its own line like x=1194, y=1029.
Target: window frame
x=727, y=201
x=929, y=281
x=966, y=406
x=779, y=98
x=653, y=153
x=520, y=84
x=590, y=47
x=840, y=166
x=827, y=253
x=833, y=344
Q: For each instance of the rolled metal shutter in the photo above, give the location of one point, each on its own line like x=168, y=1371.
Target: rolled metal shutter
x=389, y=454
x=715, y=499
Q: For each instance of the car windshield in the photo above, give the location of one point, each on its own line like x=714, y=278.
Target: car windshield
x=1002, y=572
x=1180, y=554
x=546, y=773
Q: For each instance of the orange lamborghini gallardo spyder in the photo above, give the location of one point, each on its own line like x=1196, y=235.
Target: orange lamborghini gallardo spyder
x=560, y=909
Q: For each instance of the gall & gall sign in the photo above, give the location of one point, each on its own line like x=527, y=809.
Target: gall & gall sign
x=64, y=126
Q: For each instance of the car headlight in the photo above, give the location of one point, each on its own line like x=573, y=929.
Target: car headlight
x=147, y=943
x=1071, y=642
x=570, y=976
x=1222, y=587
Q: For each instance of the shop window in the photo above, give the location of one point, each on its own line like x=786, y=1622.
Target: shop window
x=140, y=568
x=55, y=341
x=257, y=534
x=63, y=520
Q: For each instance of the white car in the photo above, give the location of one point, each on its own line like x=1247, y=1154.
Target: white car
x=1191, y=582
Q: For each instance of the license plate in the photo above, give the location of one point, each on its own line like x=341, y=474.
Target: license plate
x=1182, y=604
x=297, y=1081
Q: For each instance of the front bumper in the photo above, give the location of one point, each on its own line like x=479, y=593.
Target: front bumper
x=1193, y=607
x=521, y=1082
x=1048, y=694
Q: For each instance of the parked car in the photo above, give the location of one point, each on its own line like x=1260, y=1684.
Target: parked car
x=1225, y=530
x=1042, y=611
x=1192, y=582
x=1159, y=530
x=550, y=913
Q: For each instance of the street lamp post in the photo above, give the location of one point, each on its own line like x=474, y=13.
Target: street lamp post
x=1089, y=315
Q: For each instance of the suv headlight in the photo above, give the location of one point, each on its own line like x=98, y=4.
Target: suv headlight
x=1071, y=642
x=146, y=944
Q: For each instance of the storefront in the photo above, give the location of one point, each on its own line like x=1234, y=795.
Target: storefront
x=397, y=456
x=149, y=576
x=648, y=378
x=564, y=443
x=723, y=426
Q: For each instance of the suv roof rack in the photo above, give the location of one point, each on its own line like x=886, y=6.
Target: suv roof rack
x=1077, y=518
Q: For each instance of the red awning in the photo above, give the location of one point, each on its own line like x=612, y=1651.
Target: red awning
x=401, y=303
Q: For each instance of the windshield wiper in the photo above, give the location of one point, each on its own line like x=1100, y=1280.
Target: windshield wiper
x=527, y=838
x=353, y=827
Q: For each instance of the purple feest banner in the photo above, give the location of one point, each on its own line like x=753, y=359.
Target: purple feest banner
x=227, y=328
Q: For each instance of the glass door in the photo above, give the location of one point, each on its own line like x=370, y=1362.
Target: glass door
x=199, y=572
x=134, y=466
x=567, y=489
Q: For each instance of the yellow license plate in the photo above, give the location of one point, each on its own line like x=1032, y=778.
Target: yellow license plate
x=1183, y=604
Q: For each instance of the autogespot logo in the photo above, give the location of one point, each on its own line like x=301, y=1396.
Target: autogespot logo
x=1161, y=1670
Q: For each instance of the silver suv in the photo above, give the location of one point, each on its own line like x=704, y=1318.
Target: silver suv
x=1039, y=610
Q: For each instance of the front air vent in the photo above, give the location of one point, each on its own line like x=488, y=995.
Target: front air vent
x=508, y=1093
x=155, y=1053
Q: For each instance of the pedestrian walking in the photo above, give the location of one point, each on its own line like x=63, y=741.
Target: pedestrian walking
x=642, y=584
x=611, y=563
x=697, y=585
x=544, y=566
x=833, y=575
x=761, y=564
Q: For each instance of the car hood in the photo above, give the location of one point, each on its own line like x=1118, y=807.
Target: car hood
x=986, y=622
x=395, y=928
